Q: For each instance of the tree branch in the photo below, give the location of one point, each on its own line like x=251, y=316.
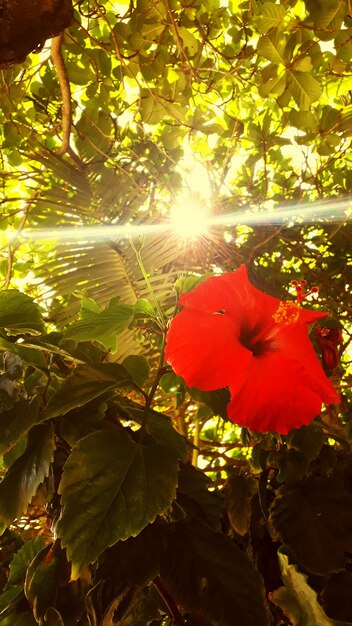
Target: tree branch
x=58, y=61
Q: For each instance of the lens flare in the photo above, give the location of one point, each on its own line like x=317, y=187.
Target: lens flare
x=192, y=220
x=189, y=218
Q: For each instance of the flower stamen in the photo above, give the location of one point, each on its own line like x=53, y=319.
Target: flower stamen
x=287, y=313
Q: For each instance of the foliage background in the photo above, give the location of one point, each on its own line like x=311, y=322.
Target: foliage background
x=258, y=93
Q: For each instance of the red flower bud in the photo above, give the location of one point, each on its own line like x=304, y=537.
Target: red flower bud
x=328, y=340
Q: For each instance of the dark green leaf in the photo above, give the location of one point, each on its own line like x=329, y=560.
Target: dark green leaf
x=17, y=421
x=308, y=439
x=102, y=325
x=29, y=355
x=9, y=600
x=111, y=489
x=19, y=313
x=315, y=520
x=197, y=496
x=134, y=607
x=217, y=400
x=22, y=560
x=158, y=425
x=19, y=619
x=52, y=617
x=84, y=384
x=239, y=491
x=138, y=367
x=207, y=572
x=21, y=481
x=44, y=575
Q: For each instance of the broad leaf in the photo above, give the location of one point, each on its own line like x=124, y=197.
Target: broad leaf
x=197, y=496
x=102, y=325
x=84, y=384
x=19, y=313
x=119, y=561
x=307, y=439
x=9, y=599
x=17, y=421
x=23, y=558
x=304, y=88
x=270, y=16
x=52, y=617
x=273, y=47
x=19, y=619
x=217, y=400
x=315, y=520
x=21, y=481
x=134, y=607
x=112, y=487
x=158, y=425
x=207, y=572
x=239, y=491
x=30, y=355
x=298, y=600
x=138, y=367
x=44, y=575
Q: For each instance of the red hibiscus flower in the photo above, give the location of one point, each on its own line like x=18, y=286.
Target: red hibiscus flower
x=230, y=334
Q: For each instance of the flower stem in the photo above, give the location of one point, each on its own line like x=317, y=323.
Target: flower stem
x=169, y=601
x=147, y=281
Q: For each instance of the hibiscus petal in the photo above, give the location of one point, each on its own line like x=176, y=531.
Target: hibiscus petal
x=275, y=397
x=293, y=341
x=204, y=349
x=232, y=292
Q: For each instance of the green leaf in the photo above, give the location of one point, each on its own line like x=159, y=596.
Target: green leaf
x=275, y=86
x=303, y=64
x=197, y=496
x=270, y=16
x=52, y=617
x=158, y=425
x=217, y=400
x=207, y=572
x=9, y=599
x=19, y=313
x=304, y=88
x=119, y=561
x=101, y=326
x=44, y=575
x=18, y=421
x=21, y=481
x=138, y=367
x=152, y=111
x=315, y=519
x=22, y=559
x=112, y=487
x=135, y=607
x=273, y=47
x=19, y=619
x=143, y=308
x=31, y=356
x=336, y=596
x=84, y=384
x=307, y=439
x=297, y=599
x=190, y=42
x=239, y=491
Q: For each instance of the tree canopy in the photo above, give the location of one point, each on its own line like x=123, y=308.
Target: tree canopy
x=151, y=145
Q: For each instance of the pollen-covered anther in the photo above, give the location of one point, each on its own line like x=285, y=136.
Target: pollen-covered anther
x=287, y=313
